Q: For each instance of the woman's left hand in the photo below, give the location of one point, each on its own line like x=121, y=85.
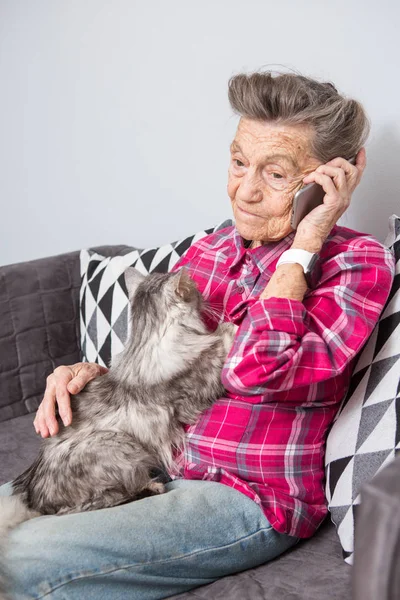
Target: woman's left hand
x=339, y=178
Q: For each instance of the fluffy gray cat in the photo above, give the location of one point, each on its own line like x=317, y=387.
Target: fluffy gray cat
x=129, y=422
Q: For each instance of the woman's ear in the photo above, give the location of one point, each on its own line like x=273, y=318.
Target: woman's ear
x=132, y=280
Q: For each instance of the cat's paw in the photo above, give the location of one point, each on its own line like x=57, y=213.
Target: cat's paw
x=228, y=332
x=155, y=487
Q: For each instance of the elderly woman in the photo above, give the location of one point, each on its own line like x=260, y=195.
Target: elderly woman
x=249, y=484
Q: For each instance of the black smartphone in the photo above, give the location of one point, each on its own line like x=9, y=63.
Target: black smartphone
x=307, y=198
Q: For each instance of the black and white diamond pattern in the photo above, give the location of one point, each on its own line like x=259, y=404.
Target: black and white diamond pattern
x=104, y=306
x=366, y=434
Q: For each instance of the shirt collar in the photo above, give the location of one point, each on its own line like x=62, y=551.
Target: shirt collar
x=263, y=256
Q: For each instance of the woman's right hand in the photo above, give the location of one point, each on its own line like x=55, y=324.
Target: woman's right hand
x=60, y=384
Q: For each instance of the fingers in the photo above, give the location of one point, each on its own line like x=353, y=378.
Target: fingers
x=60, y=384
x=45, y=422
x=83, y=373
x=337, y=184
x=39, y=423
x=56, y=392
x=336, y=174
x=354, y=172
x=63, y=376
x=361, y=162
x=323, y=180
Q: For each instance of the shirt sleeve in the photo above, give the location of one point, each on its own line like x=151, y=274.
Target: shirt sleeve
x=282, y=344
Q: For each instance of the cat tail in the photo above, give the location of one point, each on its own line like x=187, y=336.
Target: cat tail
x=13, y=511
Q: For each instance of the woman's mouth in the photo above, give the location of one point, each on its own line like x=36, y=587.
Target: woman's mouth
x=248, y=214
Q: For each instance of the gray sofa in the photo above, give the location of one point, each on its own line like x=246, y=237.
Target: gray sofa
x=39, y=330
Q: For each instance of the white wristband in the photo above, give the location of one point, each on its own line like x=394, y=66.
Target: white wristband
x=296, y=255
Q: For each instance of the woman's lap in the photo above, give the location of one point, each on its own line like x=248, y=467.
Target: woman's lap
x=153, y=548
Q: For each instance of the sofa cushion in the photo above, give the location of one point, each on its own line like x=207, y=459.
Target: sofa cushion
x=19, y=446
x=104, y=305
x=366, y=433
x=39, y=328
x=377, y=537
x=39, y=316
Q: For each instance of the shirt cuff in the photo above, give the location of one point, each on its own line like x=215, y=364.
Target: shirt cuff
x=279, y=314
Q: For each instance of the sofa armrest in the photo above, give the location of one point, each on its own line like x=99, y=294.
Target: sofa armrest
x=376, y=572
x=39, y=326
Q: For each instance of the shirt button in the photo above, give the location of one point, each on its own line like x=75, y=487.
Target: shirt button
x=240, y=289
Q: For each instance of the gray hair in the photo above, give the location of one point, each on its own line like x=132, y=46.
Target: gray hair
x=340, y=124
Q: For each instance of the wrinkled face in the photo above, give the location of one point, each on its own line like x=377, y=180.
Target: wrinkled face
x=268, y=163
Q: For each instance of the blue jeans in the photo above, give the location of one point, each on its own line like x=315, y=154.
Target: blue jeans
x=195, y=533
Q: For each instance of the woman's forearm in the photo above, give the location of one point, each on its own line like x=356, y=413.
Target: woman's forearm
x=288, y=281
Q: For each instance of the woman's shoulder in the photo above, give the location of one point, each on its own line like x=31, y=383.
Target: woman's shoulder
x=342, y=238
x=214, y=242
x=350, y=246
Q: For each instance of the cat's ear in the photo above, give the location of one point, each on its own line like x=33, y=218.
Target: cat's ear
x=185, y=287
x=132, y=280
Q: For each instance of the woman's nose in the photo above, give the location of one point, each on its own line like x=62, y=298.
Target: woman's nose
x=249, y=189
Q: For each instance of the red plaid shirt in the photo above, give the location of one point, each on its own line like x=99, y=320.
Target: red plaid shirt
x=287, y=372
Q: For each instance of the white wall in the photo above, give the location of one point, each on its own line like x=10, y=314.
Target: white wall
x=115, y=123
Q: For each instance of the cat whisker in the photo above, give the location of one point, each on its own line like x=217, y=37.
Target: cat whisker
x=213, y=312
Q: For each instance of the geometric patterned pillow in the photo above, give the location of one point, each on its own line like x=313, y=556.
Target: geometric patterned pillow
x=104, y=305
x=366, y=433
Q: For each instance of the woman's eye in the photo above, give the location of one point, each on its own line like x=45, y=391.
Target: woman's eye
x=238, y=162
x=278, y=176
